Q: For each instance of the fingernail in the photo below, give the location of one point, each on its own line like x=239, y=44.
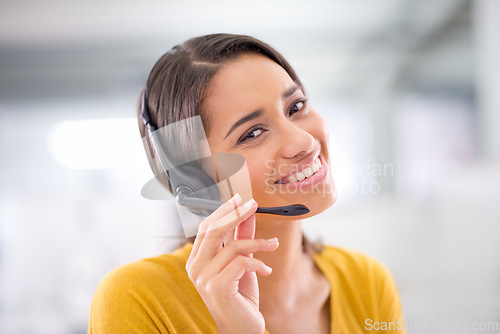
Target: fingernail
x=269, y=269
x=235, y=198
x=273, y=240
x=249, y=203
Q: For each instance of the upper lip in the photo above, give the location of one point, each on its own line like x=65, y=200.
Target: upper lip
x=299, y=166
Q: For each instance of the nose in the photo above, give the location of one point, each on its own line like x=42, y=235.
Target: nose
x=296, y=141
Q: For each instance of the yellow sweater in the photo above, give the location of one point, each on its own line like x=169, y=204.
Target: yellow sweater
x=155, y=295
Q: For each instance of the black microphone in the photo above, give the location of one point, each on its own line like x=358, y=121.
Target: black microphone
x=211, y=205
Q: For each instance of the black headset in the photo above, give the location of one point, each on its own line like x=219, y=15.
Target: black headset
x=191, y=185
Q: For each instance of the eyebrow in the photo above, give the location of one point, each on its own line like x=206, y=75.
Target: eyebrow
x=257, y=113
x=244, y=119
x=287, y=93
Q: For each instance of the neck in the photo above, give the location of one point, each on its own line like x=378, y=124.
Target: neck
x=288, y=262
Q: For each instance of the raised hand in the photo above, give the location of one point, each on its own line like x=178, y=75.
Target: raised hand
x=225, y=276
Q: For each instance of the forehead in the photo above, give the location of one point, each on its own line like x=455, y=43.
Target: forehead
x=249, y=82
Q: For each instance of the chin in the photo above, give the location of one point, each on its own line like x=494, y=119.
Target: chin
x=320, y=201
x=317, y=201
x=318, y=195
x=318, y=206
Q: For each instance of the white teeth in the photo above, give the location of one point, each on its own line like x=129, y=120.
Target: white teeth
x=307, y=171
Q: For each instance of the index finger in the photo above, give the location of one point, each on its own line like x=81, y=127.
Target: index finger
x=210, y=243
x=221, y=211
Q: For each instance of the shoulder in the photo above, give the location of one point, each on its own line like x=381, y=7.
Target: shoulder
x=167, y=269
x=355, y=270
x=139, y=293
x=353, y=262
x=364, y=278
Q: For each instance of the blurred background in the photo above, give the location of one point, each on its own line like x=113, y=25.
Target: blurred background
x=410, y=90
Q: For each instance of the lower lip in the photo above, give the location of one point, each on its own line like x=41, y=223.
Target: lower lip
x=310, y=181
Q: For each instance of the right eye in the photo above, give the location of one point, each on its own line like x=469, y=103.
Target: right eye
x=250, y=135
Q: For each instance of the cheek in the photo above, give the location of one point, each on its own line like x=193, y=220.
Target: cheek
x=319, y=128
x=260, y=169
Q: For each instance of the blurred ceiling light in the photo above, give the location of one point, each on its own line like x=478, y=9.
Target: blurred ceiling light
x=97, y=144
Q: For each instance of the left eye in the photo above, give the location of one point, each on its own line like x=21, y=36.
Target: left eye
x=296, y=108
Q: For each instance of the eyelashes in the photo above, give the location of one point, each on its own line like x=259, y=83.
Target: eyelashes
x=300, y=104
x=295, y=110
x=256, y=131
x=251, y=134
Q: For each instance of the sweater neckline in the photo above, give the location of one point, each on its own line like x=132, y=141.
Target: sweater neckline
x=322, y=265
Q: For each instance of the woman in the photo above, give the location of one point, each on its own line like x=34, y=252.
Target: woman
x=248, y=272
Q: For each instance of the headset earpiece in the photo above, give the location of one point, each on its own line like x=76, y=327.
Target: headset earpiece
x=190, y=180
x=186, y=180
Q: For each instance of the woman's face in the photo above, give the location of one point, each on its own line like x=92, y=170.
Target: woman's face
x=255, y=109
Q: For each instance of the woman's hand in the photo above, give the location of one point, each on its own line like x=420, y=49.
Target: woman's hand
x=225, y=276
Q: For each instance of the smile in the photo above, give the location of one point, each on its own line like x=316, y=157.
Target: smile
x=306, y=172
x=309, y=174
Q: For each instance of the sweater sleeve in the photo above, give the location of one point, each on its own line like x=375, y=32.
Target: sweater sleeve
x=389, y=315
x=152, y=295
x=364, y=292
x=117, y=307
